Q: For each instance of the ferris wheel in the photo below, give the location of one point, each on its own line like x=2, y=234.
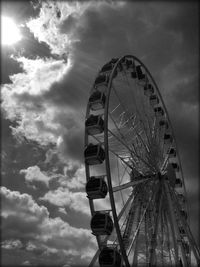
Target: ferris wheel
x=135, y=184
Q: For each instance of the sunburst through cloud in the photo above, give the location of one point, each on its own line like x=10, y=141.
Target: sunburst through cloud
x=10, y=33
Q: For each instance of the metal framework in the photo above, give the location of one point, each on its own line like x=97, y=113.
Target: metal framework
x=130, y=147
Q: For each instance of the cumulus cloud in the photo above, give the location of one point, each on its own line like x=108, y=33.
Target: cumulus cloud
x=62, y=197
x=74, y=177
x=62, y=210
x=34, y=174
x=23, y=101
x=11, y=244
x=31, y=225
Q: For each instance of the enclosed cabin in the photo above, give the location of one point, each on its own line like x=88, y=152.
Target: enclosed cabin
x=159, y=111
x=182, y=231
x=127, y=63
x=163, y=124
x=110, y=257
x=178, y=183
x=94, y=124
x=154, y=100
x=94, y=154
x=139, y=72
x=168, y=138
x=114, y=60
x=130, y=63
x=175, y=166
x=101, y=223
x=184, y=214
x=108, y=67
x=148, y=89
x=171, y=152
x=97, y=100
x=101, y=79
x=96, y=187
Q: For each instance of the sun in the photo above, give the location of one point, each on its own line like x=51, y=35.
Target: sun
x=10, y=33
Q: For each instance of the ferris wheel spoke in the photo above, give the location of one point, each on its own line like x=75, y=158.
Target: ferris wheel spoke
x=130, y=184
x=172, y=221
x=125, y=110
x=139, y=113
x=121, y=141
x=135, y=256
x=124, y=172
x=168, y=238
x=163, y=245
x=159, y=200
x=165, y=162
x=140, y=222
x=137, y=134
x=145, y=114
x=119, y=180
x=131, y=197
x=130, y=151
x=146, y=147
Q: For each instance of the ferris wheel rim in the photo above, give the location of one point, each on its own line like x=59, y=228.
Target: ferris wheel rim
x=106, y=146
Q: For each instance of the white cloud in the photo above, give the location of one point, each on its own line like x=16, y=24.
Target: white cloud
x=34, y=174
x=32, y=222
x=46, y=26
x=77, y=181
x=39, y=74
x=23, y=101
x=30, y=246
x=62, y=210
x=62, y=197
x=11, y=244
x=21, y=205
x=26, y=263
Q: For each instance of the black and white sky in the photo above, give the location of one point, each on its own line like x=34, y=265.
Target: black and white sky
x=45, y=82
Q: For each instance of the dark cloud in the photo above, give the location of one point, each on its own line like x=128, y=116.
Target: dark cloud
x=73, y=90
x=30, y=47
x=73, y=145
x=68, y=25
x=184, y=22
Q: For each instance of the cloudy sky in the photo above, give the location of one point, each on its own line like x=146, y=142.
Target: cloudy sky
x=46, y=78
